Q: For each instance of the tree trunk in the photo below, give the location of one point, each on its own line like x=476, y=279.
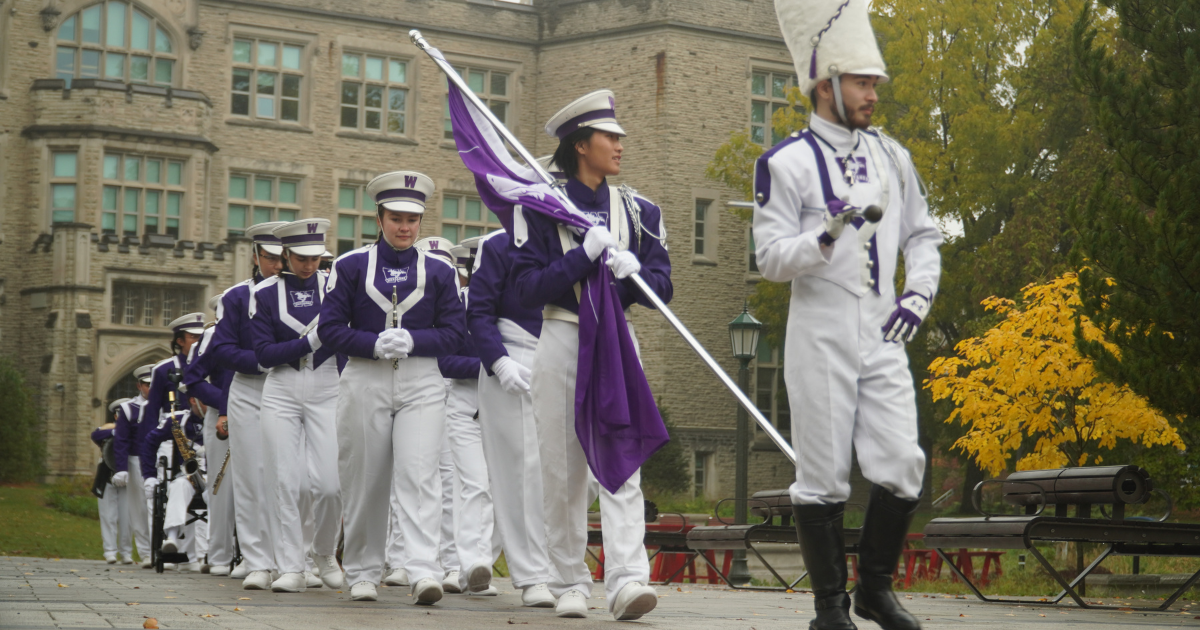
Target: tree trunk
x=972, y=475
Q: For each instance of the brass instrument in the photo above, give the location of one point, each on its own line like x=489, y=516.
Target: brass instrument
x=395, y=323
x=191, y=466
x=221, y=474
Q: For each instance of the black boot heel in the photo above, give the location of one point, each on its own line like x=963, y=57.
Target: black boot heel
x=823, y=546
x=884, y=529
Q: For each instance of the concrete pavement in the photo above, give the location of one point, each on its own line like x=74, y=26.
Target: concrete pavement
x=41, y=593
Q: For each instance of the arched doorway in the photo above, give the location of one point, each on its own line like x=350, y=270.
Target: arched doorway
x=124, y=388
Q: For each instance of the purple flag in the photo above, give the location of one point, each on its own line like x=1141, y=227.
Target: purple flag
x=616, y=419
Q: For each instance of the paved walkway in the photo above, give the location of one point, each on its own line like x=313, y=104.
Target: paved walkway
x=39, y=593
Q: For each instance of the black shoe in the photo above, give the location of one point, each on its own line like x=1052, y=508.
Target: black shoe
x=884, y=529
x=819, y=528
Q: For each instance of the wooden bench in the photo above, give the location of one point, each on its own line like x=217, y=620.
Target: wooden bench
x=775, y=507
x=666, y=536
x=1083, y=488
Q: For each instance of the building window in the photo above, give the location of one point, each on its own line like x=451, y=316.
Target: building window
x=466, y=217
x=374, y=93
x=770, y=394
x=62, y=186
x=704, y=479
x=490, y=86
x=142, y=195
x=356, y=224
x=136, y=304
x=768, y=94
x=257, y=199
x=266, y=80
x=704, y=241
x=113, y=40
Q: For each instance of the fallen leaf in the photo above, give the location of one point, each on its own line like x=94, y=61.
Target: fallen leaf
x=236, y=609
x=150, y=624
x=169, y=597
x=208, y=616
x=131, y=603
x=61, y=585
x=243, y=599
x=1041, y=615
x=962, y=615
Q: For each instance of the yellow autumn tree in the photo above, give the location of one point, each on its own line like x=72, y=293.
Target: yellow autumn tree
x=1023, y=389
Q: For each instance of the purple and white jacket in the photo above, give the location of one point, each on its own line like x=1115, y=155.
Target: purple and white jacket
x=494, y=297
x=233, y=342
x=285, y=306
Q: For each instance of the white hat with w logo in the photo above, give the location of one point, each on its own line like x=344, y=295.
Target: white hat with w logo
x=401, y=191
x=305, y=237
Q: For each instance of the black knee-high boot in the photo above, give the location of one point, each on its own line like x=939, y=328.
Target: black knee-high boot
x=883, y=532
x=824, y=549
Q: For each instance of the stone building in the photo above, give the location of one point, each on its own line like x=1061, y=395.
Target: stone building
x=139, y=138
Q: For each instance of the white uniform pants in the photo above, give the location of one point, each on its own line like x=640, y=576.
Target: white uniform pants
x=510, y=444
x=390, y=428
x=448, y=550
x=565, y=479
x=849, y=390
x=220, y=507
x=299, y=410
x=253, y=510
x=472, y=521
x=139, y=516
x=114, y=522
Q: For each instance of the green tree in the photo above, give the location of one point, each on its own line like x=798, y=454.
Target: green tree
x=1142, y=240
x=22, y=451
x=667, y=471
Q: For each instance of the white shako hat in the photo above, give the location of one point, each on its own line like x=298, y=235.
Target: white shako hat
x=828, y=38
x=263, y=236
x=112, y=406
x=192, y=323
x=597, y=110
x=401, y=191
x=328, y=254
x=464, y=252
x=305, y=237
x=214, y=302
x=437, y=246
x=143, y=372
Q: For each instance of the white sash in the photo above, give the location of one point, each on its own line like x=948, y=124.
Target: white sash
x=384, y=302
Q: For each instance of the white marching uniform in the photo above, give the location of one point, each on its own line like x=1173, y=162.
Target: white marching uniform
x=471, y=521
x=298, y=427
x=220, y=507
x=139, y=516
x=849, y=389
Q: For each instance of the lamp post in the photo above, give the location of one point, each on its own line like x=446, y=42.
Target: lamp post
x=744, y=331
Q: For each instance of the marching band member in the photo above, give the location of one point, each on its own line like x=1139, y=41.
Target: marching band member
x=299, y=407
x=114, y=516
x=846, y=368
x=126, y=449
x=393, y=310
x=208, y=382
x=466, y=526
x=548, y=266
x=234, y=347
x=165, y=382
x=505, y=335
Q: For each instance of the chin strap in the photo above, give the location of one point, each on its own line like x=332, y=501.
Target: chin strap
x=839, y=105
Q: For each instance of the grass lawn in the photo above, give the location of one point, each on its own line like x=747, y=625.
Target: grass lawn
x=29, y=527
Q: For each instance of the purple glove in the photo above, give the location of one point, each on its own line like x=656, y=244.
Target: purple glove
x=837, y=214
x=911, y=309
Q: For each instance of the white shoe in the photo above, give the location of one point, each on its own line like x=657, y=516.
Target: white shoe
x=572, y=604
x=479, y=577
x=220, y=570
x=363, y=592
x=427, y=591
x=490, y=591
x=289, y=583
x=110, y=558
x=240, y=571
x=126, y=559
x=146, y=564
x=170, y=545
x=399, y=577
x=450, y=583
x=331, y=573
x=312, y=581
x=189, y=567
x=634, y=600
x=537, y=596
x=257, y=581
x=170, y=566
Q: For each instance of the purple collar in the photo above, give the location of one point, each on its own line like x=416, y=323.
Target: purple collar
x=582, y=193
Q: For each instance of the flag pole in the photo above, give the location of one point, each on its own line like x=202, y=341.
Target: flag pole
x=453, y=76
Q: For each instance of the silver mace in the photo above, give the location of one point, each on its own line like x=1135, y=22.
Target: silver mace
x=763, y=423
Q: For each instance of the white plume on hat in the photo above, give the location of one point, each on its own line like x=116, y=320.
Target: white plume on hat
x=836, y=34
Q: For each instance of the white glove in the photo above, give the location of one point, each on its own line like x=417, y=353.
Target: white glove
x=837, y=214
x=389, y=344
x=148, y=486
x=514, y=377
x=404, y=342
x=120, y=479
x=624, y=264
x=597, y=240
x=314, y=342
x=198, y=449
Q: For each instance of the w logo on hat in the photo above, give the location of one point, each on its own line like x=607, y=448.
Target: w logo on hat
x=410, y=181
x=312, y=228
